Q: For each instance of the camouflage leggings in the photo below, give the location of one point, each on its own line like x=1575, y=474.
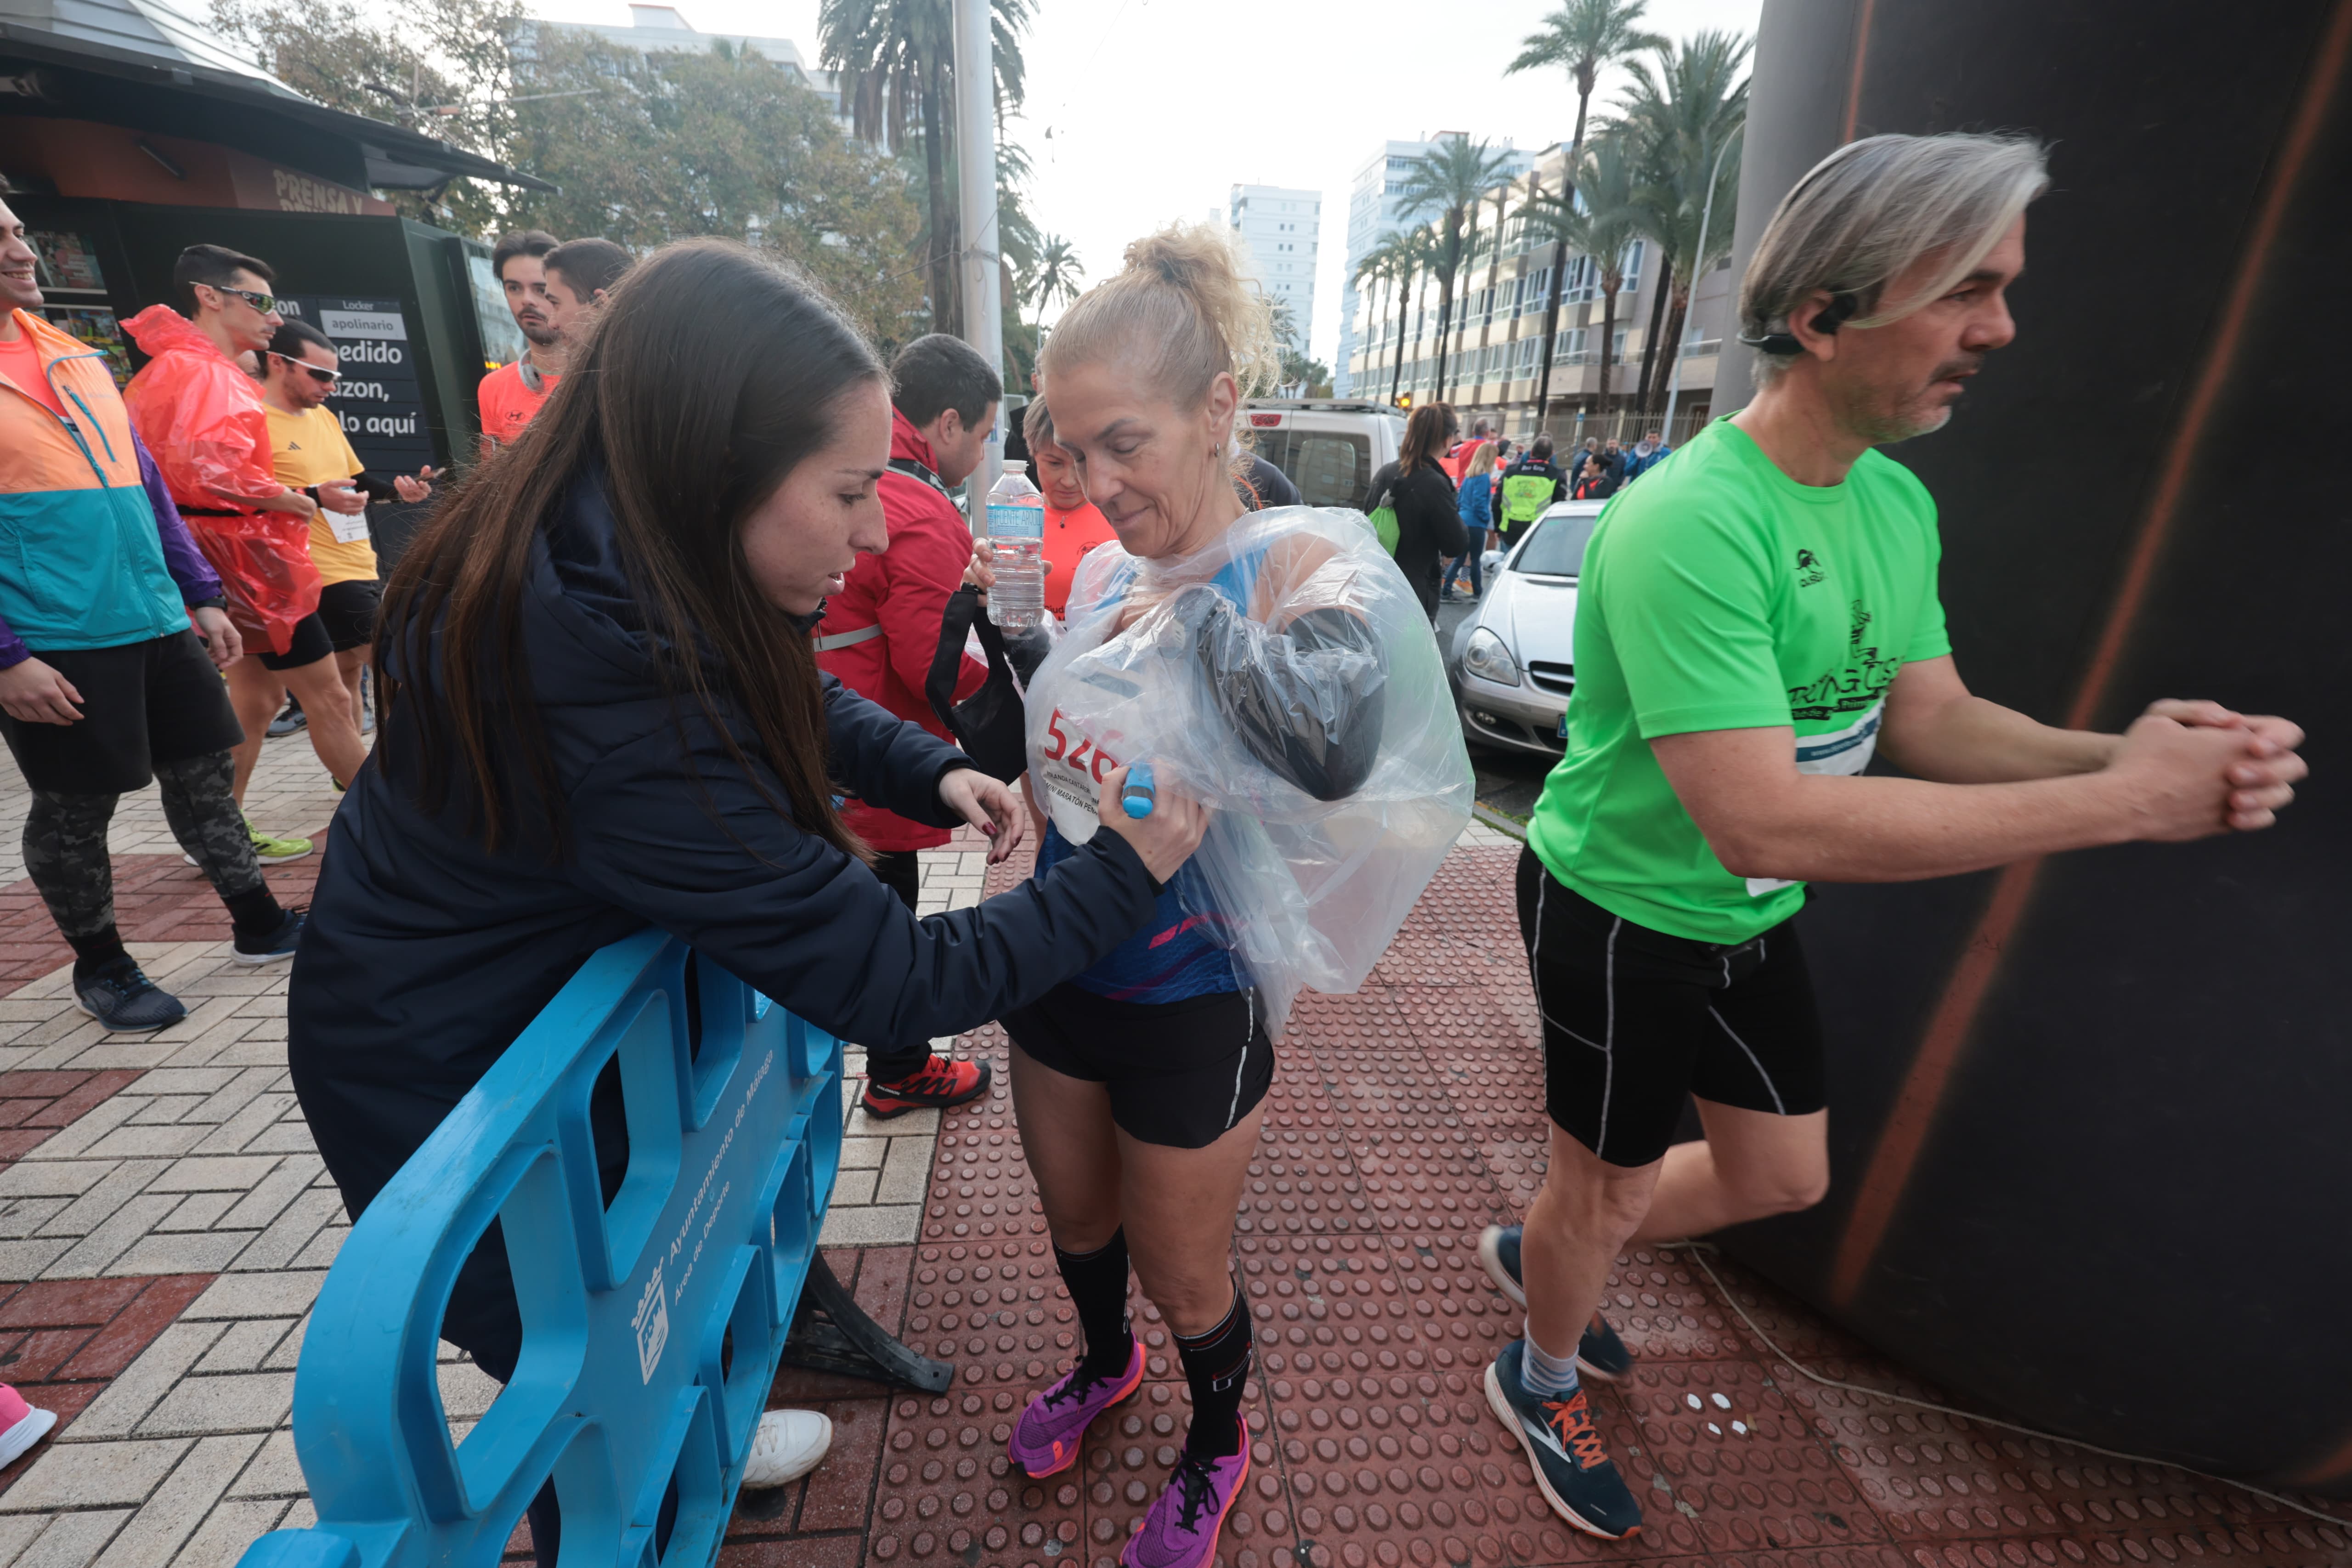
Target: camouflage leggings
x=65, y=841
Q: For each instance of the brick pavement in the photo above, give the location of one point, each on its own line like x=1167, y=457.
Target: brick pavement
x=165, y=1222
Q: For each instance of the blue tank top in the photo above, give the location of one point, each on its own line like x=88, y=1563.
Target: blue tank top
x=1173, y=957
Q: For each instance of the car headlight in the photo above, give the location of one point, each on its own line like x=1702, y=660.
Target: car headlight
x=1488, y=659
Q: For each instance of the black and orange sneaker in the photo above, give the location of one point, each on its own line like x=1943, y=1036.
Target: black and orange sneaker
x=1573, y=1471
x=943, y=1081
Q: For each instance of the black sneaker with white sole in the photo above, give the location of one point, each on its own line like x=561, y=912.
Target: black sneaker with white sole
x=1572, y=1469
x=272, y=947
x=126, y=1002
x=1600, y=1352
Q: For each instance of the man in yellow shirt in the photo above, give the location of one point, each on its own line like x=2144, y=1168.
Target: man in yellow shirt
x=308, y=452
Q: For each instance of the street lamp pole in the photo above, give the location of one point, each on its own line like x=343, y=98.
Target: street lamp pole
x=1706, y=215
x=977, y=263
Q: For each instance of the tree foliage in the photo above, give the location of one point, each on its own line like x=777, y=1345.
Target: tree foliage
x=1677, y=120
x=1448, y=181
x=645, y=147
x=441, y=67
x=896, y=65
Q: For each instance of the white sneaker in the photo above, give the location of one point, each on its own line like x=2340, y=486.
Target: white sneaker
x=35, y=1424
x=788, y=1445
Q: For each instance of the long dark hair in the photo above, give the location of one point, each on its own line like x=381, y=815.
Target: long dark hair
x=1426, y=436
x=705, y=377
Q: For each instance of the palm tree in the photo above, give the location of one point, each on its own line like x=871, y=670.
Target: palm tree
x=1585, y=37
x=891, y=56
x=1411, y=254
x=1678, y=120
x=1377, y=268
x=1451, y=180
x=1602, y=224
x=1054, y=278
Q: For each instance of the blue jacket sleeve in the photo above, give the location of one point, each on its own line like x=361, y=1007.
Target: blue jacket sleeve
x=885, y=761
x=189, y=569
x=787, y=912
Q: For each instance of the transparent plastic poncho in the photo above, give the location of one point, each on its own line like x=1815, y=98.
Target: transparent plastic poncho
x=1286, y=677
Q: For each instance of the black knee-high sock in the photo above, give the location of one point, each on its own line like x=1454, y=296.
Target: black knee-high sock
x=1217, y=1364
x=1096, y=1281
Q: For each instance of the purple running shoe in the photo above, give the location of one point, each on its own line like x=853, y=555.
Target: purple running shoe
x=1180, y=1530
x=1046, y=1439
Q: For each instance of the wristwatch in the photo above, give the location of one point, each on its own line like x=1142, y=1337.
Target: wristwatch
x=218, y=601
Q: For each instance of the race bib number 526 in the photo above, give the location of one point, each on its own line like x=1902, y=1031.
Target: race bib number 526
x=1072, y=767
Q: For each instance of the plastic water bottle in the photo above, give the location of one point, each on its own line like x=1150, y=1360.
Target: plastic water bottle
x=1016, y=528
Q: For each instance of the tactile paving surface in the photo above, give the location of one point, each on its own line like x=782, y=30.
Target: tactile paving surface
x=1402, y=1121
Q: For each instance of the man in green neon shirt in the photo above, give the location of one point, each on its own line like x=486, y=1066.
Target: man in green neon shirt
x=1754, y=620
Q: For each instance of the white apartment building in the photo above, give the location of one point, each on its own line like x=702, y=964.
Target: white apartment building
x=1277, y=227
x=1493, y=354
x=1372, y=211
x=663, y=29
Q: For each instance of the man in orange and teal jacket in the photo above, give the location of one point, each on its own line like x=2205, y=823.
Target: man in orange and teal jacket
x=111, y=630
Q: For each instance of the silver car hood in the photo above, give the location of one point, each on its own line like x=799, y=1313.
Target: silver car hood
x=1535, y=616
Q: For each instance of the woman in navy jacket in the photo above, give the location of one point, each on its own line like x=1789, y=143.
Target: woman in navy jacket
x=605, y=714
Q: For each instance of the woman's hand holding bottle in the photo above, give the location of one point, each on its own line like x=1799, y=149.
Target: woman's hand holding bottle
x=1166, y=835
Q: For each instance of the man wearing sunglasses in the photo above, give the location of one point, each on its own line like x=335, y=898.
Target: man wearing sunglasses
x=206, y=421
x=308, y=452
x=113, y=627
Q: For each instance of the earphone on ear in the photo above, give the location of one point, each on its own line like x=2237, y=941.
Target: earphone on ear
x=1831, y=317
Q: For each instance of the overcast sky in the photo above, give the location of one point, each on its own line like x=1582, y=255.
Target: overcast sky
x=1143, y=110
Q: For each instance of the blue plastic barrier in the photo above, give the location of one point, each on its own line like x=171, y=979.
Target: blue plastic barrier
x=651, y=1330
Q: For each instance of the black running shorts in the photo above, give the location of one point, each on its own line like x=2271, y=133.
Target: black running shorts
x=1635, y=1019
x=347, y=610
x=143, y=703
x=311, y=643
x=1181, y=1074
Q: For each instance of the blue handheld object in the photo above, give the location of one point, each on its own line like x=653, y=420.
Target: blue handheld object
x=1138, y=793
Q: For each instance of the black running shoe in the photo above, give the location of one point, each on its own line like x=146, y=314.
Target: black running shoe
x=272, y=947
x=1573, y=1471
x=126, y=1002
x=1600, y=1351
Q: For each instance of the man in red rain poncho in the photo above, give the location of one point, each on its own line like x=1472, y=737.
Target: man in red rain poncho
x=203, y=420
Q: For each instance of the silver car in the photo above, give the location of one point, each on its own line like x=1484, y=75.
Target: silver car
x=1513, y=664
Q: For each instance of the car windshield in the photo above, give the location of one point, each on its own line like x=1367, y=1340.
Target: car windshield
x=1556, y=548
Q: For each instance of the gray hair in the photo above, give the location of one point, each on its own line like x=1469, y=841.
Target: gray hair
x=1871, y=210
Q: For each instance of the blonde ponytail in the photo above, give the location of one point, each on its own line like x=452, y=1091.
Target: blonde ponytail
x=1181, y=308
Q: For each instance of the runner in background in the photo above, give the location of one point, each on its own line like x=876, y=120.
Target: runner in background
x=206, y=421
x=104, y=686
x=578, y=273
x=1528, y=486
x=881, y=631
x=309, y=452
x=1074, y=524
x=511, y=394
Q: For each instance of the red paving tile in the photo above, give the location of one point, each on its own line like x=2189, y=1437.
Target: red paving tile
x=1402, y=1121
x=157, y=898
x=62, y=1341
x=33, y=1105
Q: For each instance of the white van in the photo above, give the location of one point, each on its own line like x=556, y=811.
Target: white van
x=1329, y=448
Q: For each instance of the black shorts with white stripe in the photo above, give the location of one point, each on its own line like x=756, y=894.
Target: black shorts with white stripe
x=1181, y=1074
x=1634, y=1020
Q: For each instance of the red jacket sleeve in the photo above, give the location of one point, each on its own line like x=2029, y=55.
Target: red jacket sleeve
x=921, y=569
